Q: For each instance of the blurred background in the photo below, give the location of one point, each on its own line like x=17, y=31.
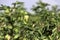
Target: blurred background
x=28, y=3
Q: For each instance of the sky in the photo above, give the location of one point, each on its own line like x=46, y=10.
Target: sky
x=28, y=3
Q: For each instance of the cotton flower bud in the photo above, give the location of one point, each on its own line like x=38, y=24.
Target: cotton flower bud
x=7, y=11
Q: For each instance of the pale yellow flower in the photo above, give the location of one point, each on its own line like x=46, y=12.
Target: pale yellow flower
x=7, y=37
x=26, y=17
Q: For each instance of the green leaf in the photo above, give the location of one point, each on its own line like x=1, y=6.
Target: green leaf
x=16, y=36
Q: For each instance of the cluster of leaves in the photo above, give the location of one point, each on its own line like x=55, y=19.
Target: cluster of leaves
x=18, y=24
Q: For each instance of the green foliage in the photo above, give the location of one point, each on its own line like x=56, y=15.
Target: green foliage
x=17, y=24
